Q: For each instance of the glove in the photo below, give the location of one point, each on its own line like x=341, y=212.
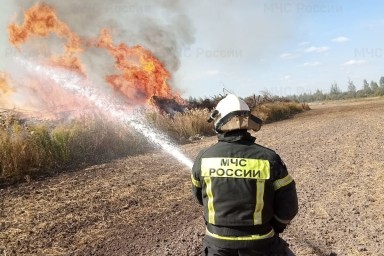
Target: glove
x=278, y=227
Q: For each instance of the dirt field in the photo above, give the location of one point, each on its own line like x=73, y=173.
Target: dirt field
x=143, y=206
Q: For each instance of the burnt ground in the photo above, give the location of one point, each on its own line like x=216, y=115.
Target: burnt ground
x=142, y=205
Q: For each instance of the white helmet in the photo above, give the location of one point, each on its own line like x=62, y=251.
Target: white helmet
x=232, y=113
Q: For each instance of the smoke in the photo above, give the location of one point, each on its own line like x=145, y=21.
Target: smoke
x=245, y=29
x=71, y=82
x=160, y=26
x=237, y=39
x=234, y=37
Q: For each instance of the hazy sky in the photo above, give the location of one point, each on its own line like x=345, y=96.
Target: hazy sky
x=246, y=46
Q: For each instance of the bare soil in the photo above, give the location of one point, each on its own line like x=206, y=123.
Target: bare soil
x=143, y=205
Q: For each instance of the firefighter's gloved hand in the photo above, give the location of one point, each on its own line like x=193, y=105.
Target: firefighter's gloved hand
x=278, y=226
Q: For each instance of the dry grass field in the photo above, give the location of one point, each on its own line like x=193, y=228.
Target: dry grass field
x=142, y=205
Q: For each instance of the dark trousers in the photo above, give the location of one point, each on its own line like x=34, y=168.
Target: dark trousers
x=278, y=248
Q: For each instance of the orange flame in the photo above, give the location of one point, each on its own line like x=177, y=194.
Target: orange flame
x=4, y=87
x=140, y=74
x=5, y=90
x=41, y=20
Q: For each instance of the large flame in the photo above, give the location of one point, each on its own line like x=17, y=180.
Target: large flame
x=41, y=20
x=142, y=74
x=139, y=74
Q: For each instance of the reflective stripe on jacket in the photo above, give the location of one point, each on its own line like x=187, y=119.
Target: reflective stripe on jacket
x=242, y=184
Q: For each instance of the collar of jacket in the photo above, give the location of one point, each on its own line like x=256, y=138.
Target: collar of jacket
x=237, y=135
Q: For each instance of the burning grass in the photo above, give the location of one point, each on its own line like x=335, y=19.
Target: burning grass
x=46, y=147
x=28, y=148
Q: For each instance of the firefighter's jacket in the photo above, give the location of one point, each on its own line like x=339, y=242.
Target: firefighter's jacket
x=244, y=188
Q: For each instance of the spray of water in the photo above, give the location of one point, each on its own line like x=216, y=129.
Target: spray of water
x=73, y=83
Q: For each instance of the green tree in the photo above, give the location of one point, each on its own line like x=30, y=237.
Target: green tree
x=319, y=95
x=381, y=82
x=335, y=89
x=351, y=89
x=366, y=87
x=374, y=86
x=335, y=92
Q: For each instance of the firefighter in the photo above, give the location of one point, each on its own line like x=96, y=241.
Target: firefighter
x=247, y=194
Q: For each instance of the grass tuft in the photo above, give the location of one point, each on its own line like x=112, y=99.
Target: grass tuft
x=277, y=111
x=182, y=126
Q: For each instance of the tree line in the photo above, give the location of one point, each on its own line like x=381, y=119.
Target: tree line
x=371, y=89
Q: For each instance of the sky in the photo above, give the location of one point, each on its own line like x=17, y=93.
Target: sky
x=245, y=47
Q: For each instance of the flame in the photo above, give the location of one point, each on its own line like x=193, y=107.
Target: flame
x=4, y=87
x=5, y=90
x=142, y=74
x=41, y=20
x=139, y=74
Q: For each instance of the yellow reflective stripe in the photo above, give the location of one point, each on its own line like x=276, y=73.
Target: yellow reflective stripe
x=257, y=215
x=241, y=238
x=245, y=168
x=281, y=220
x=211, y=209
x=282, y=182
x=195, y=182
